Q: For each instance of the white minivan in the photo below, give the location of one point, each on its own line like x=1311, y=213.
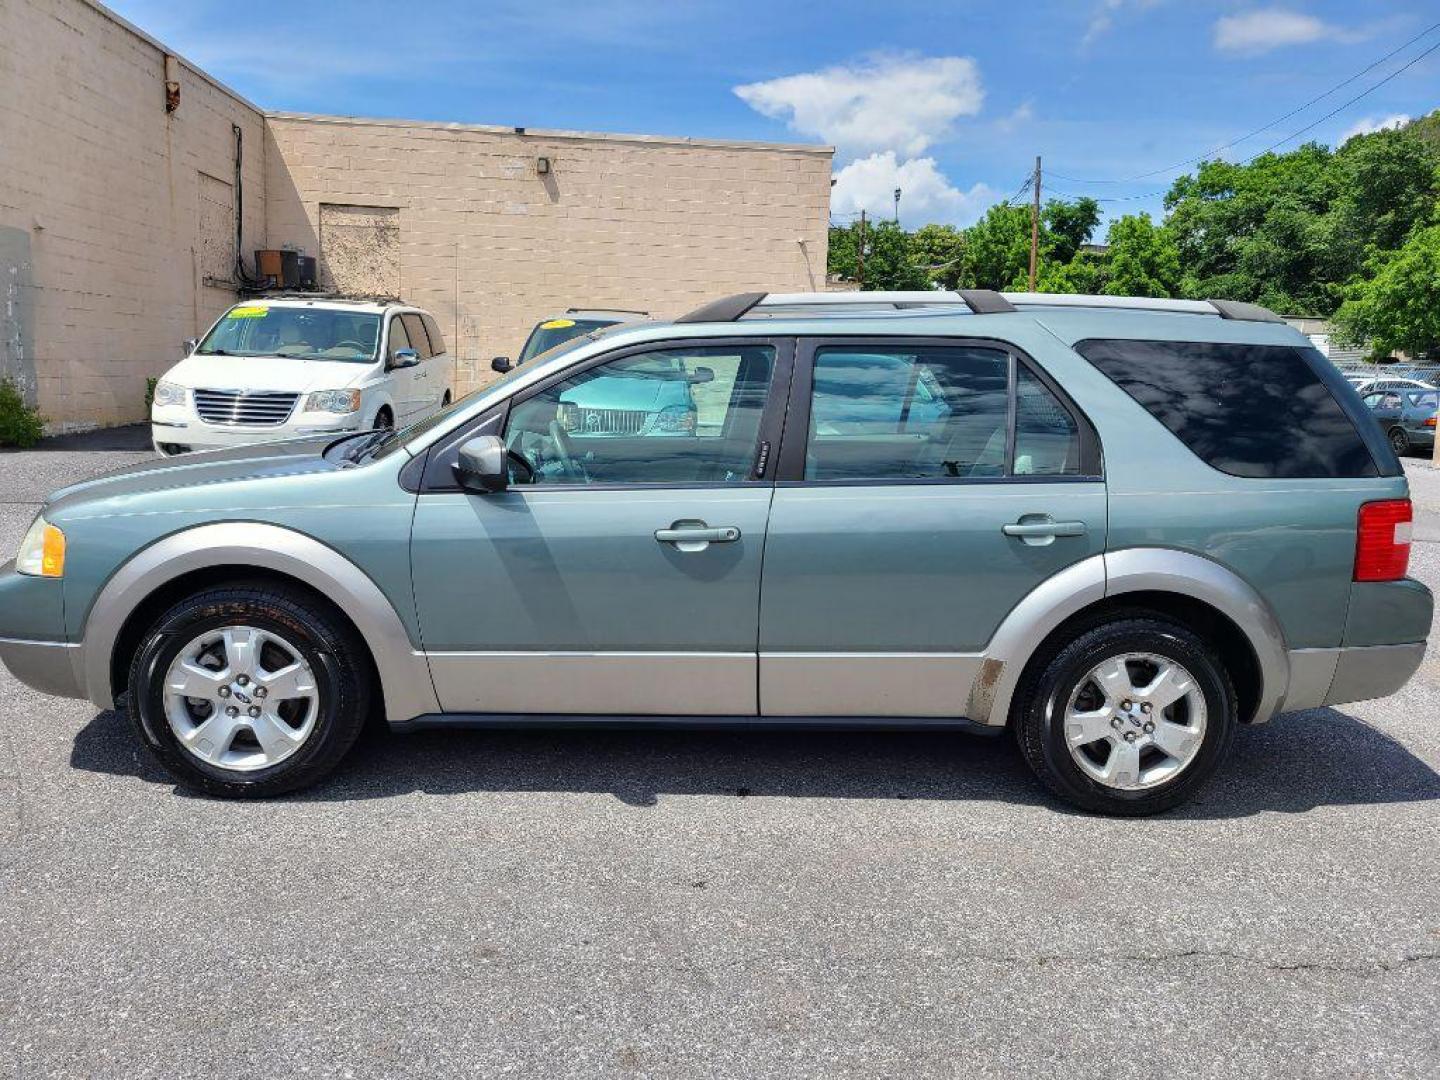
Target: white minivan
x=287, y=367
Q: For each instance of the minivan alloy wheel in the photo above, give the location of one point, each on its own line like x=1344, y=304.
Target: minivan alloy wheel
x=1135, y=721
x=241, y=698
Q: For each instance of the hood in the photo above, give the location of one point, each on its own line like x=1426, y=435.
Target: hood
x=266, y=373
x=290, y=458
x=619, y=392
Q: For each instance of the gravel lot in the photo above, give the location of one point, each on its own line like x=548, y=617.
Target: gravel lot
x=572, y=904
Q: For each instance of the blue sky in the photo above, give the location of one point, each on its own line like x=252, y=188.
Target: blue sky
x=951, y=101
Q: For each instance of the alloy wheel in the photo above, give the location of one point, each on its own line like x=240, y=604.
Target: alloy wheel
x=241, y=698
x=1135, y=721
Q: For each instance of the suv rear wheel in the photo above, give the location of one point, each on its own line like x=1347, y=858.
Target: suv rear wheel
x=244, y=692
x=1130, y=718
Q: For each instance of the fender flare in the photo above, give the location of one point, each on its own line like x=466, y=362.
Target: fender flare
x=1113, y=574
x=404, y=674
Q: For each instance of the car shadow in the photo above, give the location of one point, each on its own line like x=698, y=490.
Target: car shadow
x=1294, y=764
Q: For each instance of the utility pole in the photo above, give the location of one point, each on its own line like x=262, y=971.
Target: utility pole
x=1035, y=223
x=860, y=252
x=897, y=206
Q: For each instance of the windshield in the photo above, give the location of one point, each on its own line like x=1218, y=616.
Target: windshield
x=304, y=333
x=556, y=332
x=1426, y=399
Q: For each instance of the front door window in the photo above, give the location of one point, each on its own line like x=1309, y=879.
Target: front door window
x=679, y=415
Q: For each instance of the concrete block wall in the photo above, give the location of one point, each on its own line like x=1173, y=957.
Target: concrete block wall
x=491, y=245
x=116, y=217
x=100, y=207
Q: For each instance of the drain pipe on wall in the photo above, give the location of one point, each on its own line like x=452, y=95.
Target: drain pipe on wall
x=240, y=271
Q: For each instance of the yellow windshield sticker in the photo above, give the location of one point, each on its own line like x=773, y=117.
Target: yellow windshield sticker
x=251, y=312
x=557, y=324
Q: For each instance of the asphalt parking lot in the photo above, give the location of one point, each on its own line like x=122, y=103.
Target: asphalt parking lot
x=573, y=904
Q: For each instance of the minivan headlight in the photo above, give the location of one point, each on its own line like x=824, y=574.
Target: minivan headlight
x=333, y=401
x=169, y=393
x=42, y=552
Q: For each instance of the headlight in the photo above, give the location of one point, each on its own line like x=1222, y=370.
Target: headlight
x=42, y=552
x=168, y=393
x=333, y=401
x=676, y=418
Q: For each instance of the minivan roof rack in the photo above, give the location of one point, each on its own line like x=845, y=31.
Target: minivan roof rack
x=970, y=301
x=616, y=310
x=304, y=294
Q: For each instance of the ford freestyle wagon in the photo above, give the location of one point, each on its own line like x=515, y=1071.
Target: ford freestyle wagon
x=1119, y=528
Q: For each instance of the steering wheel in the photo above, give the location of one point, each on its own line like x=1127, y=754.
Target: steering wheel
x=565, y=451
x=358, y=346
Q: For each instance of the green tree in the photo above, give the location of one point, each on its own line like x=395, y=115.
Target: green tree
x=997, y=248
x=939, y=250
x=1067, y=227
x=1142, y=260
x=1398, y=308
x=888, y=259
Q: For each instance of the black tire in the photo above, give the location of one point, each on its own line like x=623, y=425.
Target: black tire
x=1400, y=441
x=1038, y=713
x=384, y=419
x=332, y=649
x=445, y=401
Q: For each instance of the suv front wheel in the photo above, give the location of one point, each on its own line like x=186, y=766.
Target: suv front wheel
x=248, y=692
x=1130, y=718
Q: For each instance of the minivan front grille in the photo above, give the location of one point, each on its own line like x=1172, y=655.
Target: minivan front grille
x=253, y=408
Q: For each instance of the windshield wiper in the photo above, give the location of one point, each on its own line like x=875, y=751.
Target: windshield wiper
x=357, y=451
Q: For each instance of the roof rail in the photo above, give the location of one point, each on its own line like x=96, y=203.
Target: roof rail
x=616, y=310
x=971, y=301
x=307, y=294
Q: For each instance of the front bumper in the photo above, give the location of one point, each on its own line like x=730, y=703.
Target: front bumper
x=179, y=437
x=52, y=667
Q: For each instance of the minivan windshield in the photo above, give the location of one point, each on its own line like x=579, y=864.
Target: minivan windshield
x=555, y=332
x=304, y=333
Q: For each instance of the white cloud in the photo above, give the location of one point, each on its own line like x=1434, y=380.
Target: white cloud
x=1367, y=125
x=1022, y=114
x=1103, y=17
x=1265, y=29
x=903, y=103
x=926, y=195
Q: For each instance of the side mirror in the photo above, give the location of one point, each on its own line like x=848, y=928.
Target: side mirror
x=189, y=345
x=702, y=375
x=484, y=465
x=501, y=364
x=403, y=358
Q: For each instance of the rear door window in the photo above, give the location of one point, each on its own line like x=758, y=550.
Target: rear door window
x=419, y=341
x=432, y=331
x=1247, y=410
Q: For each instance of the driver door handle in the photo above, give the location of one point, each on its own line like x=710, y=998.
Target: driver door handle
x=696, y=535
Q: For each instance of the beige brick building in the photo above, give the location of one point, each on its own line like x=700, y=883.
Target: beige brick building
x=118, y=225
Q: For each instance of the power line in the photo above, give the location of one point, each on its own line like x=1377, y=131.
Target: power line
x=1281, y=119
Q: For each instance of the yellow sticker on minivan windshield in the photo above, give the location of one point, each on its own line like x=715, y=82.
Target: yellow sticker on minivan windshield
x=557, y=324
x=251, y=312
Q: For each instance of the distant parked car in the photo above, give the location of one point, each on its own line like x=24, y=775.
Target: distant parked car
x=1406, y=416
x=1365, y=384
x=272, y=369
x=576, y=321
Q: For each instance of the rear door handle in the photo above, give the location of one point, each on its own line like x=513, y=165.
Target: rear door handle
x=696, y=535
x=1037, y=529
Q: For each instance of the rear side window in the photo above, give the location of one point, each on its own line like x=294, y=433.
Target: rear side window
x=1247, y=410
x=415, y=330
x=432, y=331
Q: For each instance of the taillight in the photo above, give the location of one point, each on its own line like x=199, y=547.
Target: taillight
x=1382, y=540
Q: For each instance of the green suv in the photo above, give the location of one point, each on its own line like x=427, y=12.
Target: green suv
x=1118, y=528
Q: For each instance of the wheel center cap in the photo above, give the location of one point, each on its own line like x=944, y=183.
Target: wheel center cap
x=239, y=694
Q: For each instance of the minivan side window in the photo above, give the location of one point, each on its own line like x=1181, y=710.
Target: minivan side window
x=932, y=412
x=680, y=415
x=415, y=331
x=1247, y=410
x=432, y=331
x=399, y=339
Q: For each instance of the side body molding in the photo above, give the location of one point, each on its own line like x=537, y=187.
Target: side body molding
x=404, y=674
x=1114, y=574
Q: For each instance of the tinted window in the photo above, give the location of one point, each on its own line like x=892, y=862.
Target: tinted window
x=1425, y=399
x=399, y=339
x=687, y=415
x=553, y=332
x=1047, y=439
x=1248, y=410
x=931, y=412
x=415, y=331
x=432, y=331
